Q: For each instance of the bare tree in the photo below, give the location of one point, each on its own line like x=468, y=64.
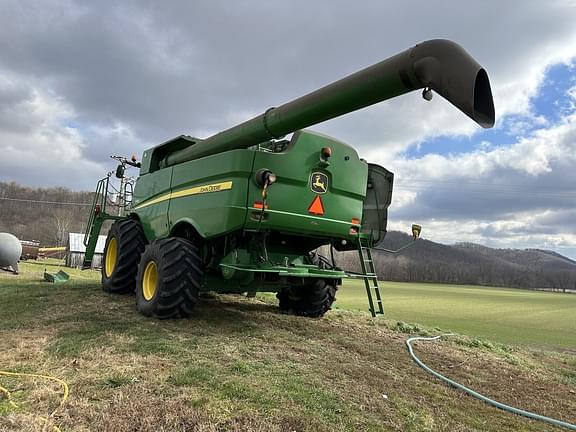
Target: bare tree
x=62, y=220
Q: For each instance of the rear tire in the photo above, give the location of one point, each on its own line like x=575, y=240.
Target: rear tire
x=124, y=246
x=169, y=278
x=312, y=300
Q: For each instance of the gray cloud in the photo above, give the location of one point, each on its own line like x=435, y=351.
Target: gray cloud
x=520, y=194
x=190, y=66
x=500, y=194
x=15, y=109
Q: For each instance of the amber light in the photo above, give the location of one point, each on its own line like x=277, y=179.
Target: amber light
x=356, y=221
x=260, y=205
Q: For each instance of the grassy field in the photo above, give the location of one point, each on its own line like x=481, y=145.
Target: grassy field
x=510, y=316
x=240, y=365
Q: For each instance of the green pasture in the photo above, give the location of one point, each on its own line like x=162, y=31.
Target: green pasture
x=511, y=316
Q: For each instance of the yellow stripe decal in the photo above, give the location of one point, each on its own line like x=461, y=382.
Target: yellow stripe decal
x=154, y=201
x=216, y=187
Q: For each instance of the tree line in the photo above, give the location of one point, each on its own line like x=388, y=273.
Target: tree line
x=46, y=215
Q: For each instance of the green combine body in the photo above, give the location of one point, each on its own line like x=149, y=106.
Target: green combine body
x=245, y=210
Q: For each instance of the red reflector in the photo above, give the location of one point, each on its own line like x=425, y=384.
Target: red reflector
x=260, y=205
x=316, y=208
x=356, y=221
x=97, y=209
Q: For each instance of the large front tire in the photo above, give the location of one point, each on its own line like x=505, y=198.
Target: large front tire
x=169, y=278
x=124, y=246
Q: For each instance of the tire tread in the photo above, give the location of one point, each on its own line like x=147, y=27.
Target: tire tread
x=180, y=275
x=131, y=243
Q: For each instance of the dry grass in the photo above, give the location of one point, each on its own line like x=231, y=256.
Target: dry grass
x=241, y=365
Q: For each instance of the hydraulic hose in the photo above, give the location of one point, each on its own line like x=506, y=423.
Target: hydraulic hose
x=477, y=395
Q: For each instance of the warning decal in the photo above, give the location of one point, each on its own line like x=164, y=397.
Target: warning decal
x=316, y=208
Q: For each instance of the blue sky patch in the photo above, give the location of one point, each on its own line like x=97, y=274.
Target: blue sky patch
x=549, y=106
x=551, y=101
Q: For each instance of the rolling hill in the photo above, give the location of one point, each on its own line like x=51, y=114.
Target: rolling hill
x=469, y=263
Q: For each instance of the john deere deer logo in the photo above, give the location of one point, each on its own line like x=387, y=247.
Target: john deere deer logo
x=319, y=182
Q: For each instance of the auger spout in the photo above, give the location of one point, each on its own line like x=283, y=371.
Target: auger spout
x=440, y=65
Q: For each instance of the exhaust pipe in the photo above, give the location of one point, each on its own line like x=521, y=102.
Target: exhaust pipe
x=440, y=65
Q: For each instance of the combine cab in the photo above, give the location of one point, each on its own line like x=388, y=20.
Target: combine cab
x=245, y=209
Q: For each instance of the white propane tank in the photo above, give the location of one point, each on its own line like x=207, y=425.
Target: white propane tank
x=10, y=251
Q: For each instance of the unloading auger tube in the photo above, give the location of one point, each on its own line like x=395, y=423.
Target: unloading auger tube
x=440, y=65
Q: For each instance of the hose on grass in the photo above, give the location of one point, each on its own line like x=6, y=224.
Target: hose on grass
x=46, y=420
x=477, y=395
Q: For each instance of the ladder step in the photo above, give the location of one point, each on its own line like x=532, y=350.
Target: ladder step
x=376, y=306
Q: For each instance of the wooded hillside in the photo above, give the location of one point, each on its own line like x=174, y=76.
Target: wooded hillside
x=468, y=263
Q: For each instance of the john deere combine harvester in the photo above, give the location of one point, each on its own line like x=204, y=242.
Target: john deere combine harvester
x=243, y=210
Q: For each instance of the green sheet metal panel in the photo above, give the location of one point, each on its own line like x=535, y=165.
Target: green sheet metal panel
x=290, y=197
x=210, y=193
x=151, y=200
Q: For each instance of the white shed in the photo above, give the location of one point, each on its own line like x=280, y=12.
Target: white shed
x=75, y=250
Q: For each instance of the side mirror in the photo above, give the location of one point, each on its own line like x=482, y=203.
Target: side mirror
x=120, y=171
x=416, y=230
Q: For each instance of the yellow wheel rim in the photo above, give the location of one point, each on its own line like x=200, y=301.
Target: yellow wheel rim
x=150, y=280
x=111, y=256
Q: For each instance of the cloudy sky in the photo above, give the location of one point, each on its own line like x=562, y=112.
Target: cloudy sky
x=81, y=80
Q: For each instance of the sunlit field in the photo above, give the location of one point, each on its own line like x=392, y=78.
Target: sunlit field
x=512, y=316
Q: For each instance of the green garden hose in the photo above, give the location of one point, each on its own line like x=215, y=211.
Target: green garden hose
x=476, y=394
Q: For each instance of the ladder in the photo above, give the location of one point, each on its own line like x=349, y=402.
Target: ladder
x=98, y=216
x=370, y=277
